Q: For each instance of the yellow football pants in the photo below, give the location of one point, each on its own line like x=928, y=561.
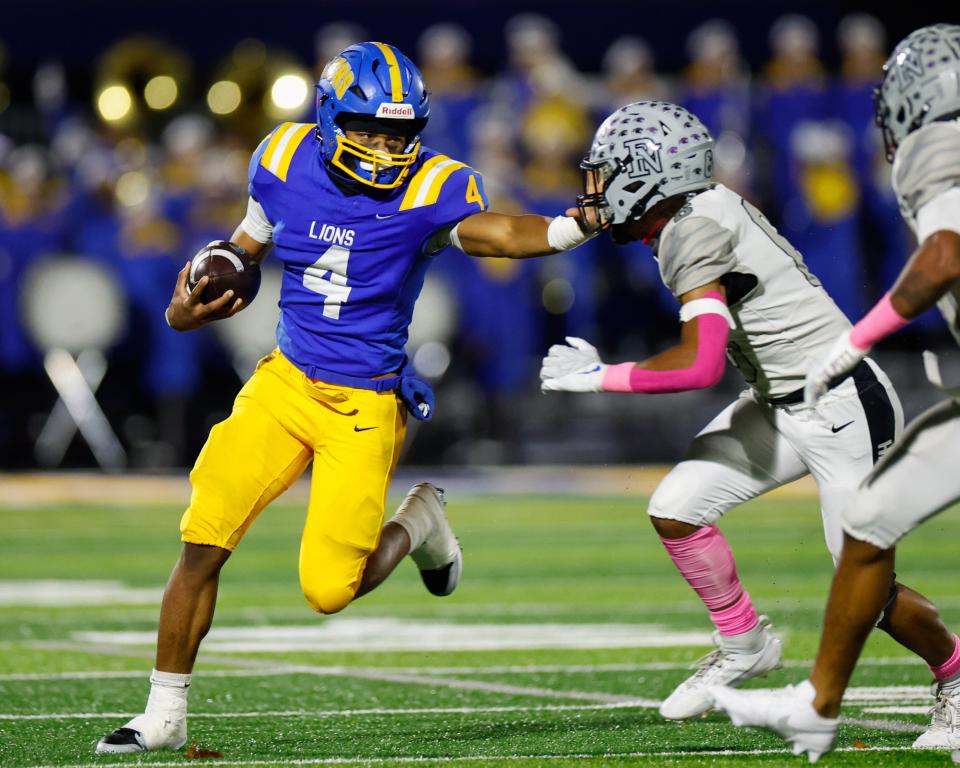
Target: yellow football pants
x=280, y=421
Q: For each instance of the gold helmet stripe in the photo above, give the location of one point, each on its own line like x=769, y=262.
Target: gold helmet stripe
x=396, y=83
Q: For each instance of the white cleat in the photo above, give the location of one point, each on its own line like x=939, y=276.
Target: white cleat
x=721, y=667
x=144, y=733
x=439, y=557
x=787, y=711
x=944, y=730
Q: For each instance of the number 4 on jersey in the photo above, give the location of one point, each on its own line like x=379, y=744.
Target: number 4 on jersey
x=473, y=192
x=328, y=277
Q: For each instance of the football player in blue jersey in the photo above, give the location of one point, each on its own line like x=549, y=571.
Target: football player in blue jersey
x=355, y=208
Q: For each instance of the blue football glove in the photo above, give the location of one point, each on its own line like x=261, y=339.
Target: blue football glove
x=418, y=396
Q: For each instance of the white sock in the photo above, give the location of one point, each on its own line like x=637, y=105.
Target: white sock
x=168, y=693
x=750, y=641
x=412, y=516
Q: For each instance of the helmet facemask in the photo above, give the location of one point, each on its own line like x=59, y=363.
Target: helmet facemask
x=594, y=211
x=375, y=167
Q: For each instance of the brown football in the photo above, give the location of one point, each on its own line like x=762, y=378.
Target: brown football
x=229, y=268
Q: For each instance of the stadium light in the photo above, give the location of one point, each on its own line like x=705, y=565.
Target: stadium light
x=224, y=97
x=289, y=92
x=160, y=92
x=114, y=103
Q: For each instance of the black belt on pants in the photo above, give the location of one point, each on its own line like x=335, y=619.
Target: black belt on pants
x=861, y=373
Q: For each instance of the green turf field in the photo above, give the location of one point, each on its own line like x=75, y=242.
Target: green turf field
x=569, y=625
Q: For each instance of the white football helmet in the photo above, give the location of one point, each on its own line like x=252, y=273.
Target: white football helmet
x=921, y=83
x=643, y=153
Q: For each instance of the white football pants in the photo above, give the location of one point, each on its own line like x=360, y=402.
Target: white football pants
x=917, y=479
x=752, y=447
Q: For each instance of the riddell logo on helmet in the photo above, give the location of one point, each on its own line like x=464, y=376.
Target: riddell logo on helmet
x=396, y=111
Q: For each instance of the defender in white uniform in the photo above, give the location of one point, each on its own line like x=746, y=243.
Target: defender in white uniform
x=918, y=109
x=745, y=290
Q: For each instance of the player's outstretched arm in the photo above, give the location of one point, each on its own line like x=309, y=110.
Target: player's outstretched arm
x=697, y=362
x=928, y=275
x=186, y=312
x=932, y=269
x=517, y=237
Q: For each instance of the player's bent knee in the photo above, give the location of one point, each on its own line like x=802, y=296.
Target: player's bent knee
x=671, y=502
x=869, y=520
x=328, y=599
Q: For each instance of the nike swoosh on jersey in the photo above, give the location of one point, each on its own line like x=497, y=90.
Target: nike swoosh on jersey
x=386, y=215
x=361, y=429
x=836, y=429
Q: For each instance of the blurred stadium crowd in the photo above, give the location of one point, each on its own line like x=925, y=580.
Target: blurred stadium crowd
x=150, y=165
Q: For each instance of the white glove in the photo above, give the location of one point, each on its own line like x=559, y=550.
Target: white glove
x=573, y=368
x=841, y=358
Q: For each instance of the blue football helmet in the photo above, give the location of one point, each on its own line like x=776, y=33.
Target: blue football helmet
x=371, y=87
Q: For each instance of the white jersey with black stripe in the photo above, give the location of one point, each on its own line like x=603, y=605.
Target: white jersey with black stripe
x=926, y=166
x=785, y=321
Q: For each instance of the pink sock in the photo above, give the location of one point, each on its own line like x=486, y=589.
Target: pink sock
x=951, y=667
x=706, y=562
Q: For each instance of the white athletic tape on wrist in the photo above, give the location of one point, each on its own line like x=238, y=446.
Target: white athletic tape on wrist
x=563, y=233
x=455, y=238
x=698, y=307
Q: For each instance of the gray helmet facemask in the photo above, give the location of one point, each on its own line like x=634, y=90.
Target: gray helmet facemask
x=643, y=153
x=921, y=83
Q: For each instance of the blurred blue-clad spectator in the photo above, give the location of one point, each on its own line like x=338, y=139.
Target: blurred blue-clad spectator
x=793, y=90
x=863, y=46
x=332, y=38
x=716, y=88
x=629, y=75
x=820, y=217
x=554, y=136
x=538, y=67
x=33, y=220
x=186, y=141
x=455, y=88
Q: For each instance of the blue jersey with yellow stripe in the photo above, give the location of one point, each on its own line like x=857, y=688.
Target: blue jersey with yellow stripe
x=353, y=264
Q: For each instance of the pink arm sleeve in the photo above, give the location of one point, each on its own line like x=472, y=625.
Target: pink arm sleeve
x=877, y=324
x=707, y=368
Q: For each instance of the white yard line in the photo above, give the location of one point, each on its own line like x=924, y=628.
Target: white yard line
x=510, y=669
x=630, y=704
x=413, y=759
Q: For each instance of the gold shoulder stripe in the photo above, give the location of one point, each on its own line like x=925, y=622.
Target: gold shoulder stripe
x=413, y=187
x=275, y=138
x=298, y=135
x=433, y=193
x=277, y=157
x=396, y=83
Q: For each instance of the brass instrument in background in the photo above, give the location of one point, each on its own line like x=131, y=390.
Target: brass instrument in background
x=139, y=82
x=254, y=88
